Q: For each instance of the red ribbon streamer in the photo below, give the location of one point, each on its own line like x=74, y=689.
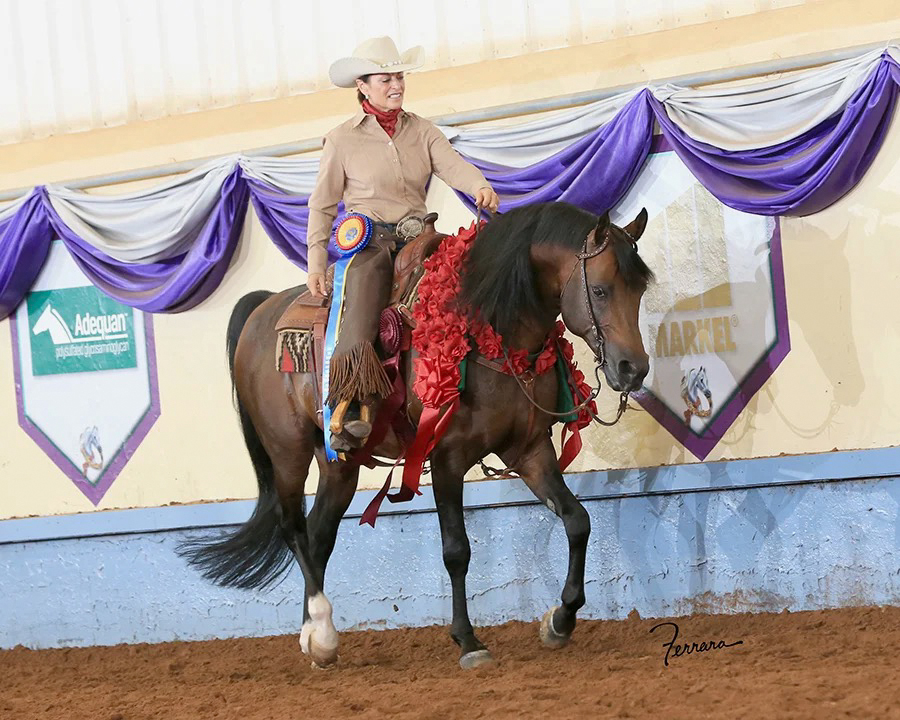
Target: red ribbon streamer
x=571, y=448
x=432, y=426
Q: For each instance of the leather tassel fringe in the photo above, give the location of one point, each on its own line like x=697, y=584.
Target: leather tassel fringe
x=357, y=375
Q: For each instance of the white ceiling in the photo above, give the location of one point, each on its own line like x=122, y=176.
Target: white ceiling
x=74, y=65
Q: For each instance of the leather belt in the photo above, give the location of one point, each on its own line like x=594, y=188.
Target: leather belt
x=406, y=229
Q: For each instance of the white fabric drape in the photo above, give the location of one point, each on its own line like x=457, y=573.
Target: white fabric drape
x=294, y=175
x=760, y=114
x=145, y=225
x=9, y=207
x=530, y=142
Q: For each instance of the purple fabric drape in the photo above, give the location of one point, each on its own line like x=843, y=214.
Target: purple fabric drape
x=285, y=219
x=594, y=172
x=24, y=243
x=797, y=177
x=803, y=175
x=175, y=284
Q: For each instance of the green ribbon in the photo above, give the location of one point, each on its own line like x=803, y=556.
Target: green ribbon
x=565, y=403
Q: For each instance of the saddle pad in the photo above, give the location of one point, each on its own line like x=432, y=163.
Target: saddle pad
x=294, y=351
x=300, y=332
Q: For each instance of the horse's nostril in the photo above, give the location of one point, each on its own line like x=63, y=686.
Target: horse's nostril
x=631, y=375
x=627, y=370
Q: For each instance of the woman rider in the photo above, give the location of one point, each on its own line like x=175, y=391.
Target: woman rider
x=378, y=163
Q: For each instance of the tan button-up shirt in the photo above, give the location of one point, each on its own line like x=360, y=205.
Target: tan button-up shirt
x=380, y=176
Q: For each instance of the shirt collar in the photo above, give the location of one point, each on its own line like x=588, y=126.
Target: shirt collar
x=362, y=115
x=359, y=117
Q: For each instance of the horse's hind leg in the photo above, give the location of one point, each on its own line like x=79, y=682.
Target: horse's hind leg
x=447, y=478
x=318, y=636
x=539, y=469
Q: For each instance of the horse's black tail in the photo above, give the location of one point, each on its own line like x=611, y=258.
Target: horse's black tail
x=255, y=555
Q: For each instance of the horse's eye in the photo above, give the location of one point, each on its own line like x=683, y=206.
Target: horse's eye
x=599, y=291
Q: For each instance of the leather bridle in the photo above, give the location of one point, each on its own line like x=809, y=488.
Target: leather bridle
x=581, y=259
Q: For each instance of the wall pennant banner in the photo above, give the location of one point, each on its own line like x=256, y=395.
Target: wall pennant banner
x=85, y=372
x=715, y=322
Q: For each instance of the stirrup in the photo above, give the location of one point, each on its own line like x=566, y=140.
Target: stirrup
x=340, y=412
x=337, y=417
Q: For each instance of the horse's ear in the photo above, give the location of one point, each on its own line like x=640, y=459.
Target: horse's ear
x=602, y=224
x=636, y=227
x=601, y=229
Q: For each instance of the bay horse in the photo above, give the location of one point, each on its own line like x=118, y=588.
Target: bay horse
x=523, y=270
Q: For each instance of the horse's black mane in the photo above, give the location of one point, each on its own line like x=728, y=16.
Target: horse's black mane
x=498, y=281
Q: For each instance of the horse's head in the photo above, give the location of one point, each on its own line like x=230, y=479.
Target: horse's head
x=525, y=268
x=601, y=298
x=703, y=382
x=90, y=438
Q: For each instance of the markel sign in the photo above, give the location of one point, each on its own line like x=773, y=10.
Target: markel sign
x=85, y=369
x=715, y=322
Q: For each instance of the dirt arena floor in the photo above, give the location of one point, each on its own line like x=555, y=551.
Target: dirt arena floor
x=832, y=664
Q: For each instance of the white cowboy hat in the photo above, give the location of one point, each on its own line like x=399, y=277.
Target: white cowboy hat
x=377, y=55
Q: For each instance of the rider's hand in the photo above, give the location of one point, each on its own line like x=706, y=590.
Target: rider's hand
x=486, y=198
x=316, y=284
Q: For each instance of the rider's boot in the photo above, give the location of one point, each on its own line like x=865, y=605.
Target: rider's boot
x=351, y=425
x=361, y=427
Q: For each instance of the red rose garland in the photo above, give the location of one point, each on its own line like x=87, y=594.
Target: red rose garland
x=442, y=339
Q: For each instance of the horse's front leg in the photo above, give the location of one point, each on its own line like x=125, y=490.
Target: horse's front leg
x=539, y=468
x=337, y=484
x=447, y=483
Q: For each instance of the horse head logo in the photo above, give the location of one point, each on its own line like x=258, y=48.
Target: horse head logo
x=694, y=387
x=51, y=321
x=91, y=450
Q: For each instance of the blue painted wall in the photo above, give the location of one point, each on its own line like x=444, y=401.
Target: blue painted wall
x=797, y=546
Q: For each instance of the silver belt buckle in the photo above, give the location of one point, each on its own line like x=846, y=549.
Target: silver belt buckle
x=410, y=228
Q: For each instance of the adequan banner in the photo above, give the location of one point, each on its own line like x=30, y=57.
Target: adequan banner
x=85, y=370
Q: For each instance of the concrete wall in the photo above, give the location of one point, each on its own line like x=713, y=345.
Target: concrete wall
x=752, y=547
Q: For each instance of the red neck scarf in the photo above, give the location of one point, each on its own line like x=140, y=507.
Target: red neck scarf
x=386, y=118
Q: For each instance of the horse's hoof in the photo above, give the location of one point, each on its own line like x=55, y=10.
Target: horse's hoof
x=476, y=658
x=318, y=638
x=549, y=636
x=321, y=668
x=323, y=655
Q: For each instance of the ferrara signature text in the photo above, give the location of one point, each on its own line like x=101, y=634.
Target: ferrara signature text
x=677, y=650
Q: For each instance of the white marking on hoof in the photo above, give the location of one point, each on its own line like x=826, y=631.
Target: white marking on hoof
x=318, y=636
x=476, y=658
x=549, y=636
